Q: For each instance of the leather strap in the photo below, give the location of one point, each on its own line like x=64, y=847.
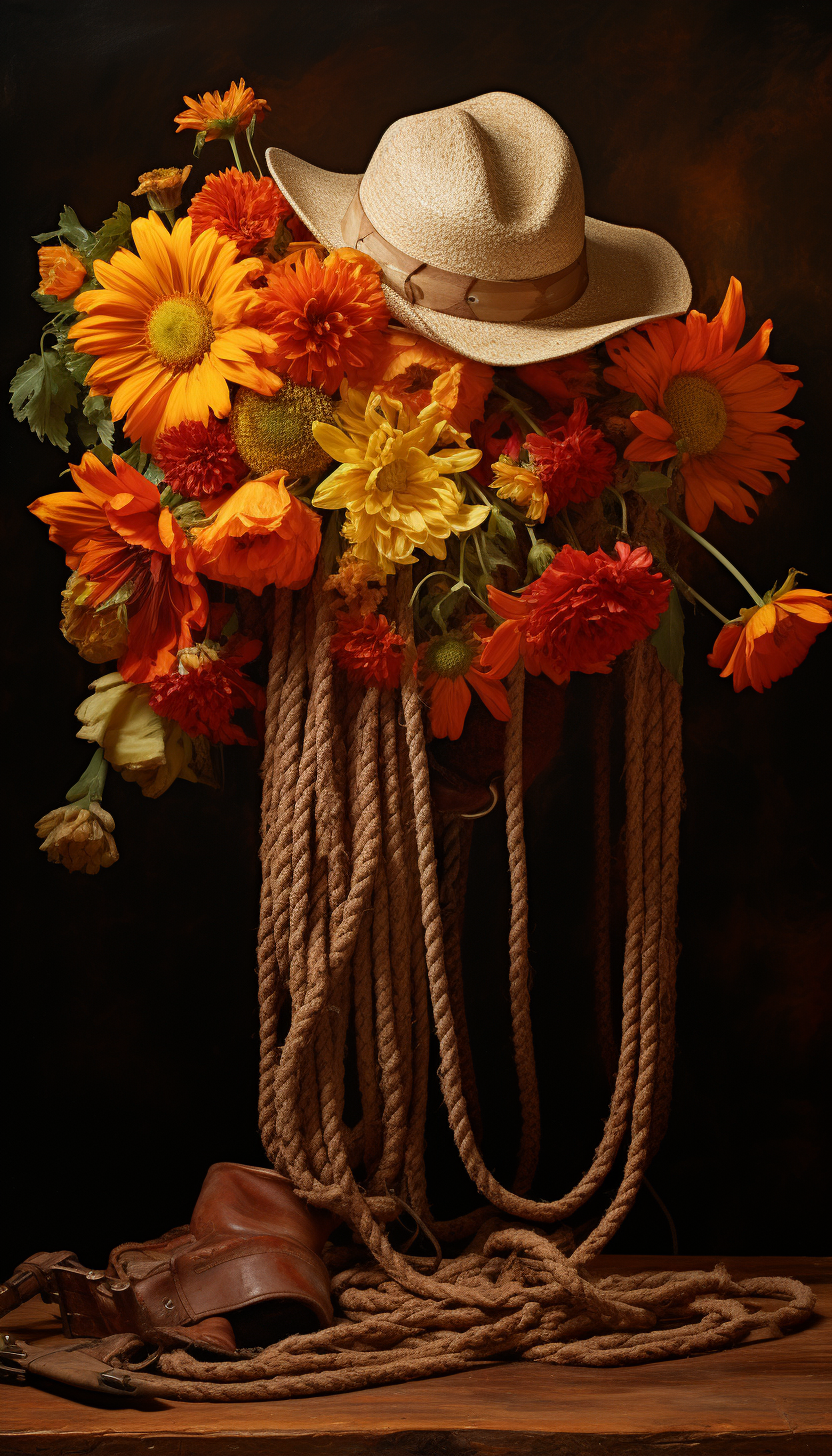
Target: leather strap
x=507, y=301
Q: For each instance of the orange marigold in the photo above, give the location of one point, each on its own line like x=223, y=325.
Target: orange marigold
x=261, y=534
x=62, y=270
x=220, y=116
x=714, y=403
x=369, y=650
x=239, y=206
x=326, y=318
x=770, y=641
x=446, y=668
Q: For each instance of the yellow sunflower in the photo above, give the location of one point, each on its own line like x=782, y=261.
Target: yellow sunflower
x=397, y=494
x=167, y=329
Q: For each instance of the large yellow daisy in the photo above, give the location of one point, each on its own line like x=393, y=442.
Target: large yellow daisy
x=396, y=494
x=167, y=331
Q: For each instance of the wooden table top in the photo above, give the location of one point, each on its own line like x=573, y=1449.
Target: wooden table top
x=761, y=1398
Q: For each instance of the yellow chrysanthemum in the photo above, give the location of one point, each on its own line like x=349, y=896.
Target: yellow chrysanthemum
x=397, y=495
x=518, y=484
x=167, y=329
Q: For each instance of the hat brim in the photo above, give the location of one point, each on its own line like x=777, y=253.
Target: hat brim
x=634, y=276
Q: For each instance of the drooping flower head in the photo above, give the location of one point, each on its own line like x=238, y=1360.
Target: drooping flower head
x=145, y=749
x=168, y=329
x=98, y=634
x=221, y=116
x=415, y=372
x=117, y=534
x=581, y=613
x=205, y=688
x=714, y=404
x=79, y=838
x=573, y=461
x=239, y=206
x=163, y=187
x=770, y=641
x=521, y=485
x=397, y=495
x=352, y=581
x=369, y=650
x=62, y=270
x=199, y=460
x=261, y=535
x=326, y=318
x=446, y=669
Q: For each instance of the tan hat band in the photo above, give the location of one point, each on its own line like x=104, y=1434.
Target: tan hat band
x=505, y=301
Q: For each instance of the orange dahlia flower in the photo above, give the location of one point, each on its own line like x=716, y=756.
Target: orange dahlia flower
x=415, y=372
x=261, y=534
x=369, y=650
x=446, y=669
x=325, y=317
x=239, y=206
x=118, y=535
x=220, y=116
x=62, y=270
x=168, y=329
x=714, y=404
x=770, y=641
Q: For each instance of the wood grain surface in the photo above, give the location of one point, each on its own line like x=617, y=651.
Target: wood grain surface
x=763, y=1398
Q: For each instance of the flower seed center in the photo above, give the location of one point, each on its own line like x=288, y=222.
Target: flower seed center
x=696, y=410
x=180, y=331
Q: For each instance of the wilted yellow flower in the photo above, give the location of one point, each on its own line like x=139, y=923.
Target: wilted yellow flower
x=352, y=582
x=516, y=483
x=163, y=187
x=80, y=838
x=100, y=636
x=144, y=748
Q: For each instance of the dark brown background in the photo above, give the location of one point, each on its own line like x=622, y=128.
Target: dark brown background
x=130, y=1042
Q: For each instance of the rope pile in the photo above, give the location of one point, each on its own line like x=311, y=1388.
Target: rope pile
x=360, y=962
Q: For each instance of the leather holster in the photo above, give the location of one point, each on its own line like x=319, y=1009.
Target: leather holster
x=245, y=1272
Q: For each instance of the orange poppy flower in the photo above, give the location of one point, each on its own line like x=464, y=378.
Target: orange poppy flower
x=261, y=534
x=446, y=669
x=770, y=641
x=246, y=209
x=62, y=270
x=220, y=116
x=713, y=403
x=118, y=535
x=168, y=329
x=415, y=372
x=324, y=317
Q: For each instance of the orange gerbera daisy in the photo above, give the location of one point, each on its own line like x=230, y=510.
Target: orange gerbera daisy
x=261, y=534
x=167, y=329
x=118, y=535
x=714, y=404
x=415, y=372
x=769, y=641
x=446, y=669
x=325, y=317
x=220, y=116
x=239, y=206
x=62, y=270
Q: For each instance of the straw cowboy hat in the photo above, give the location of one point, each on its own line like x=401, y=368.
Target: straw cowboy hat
x=475, y=213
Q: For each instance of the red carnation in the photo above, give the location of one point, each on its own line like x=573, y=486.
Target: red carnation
x=199, y=460
x=580, y=614
x=206, y=687
x=573, y=461
x=369, y=650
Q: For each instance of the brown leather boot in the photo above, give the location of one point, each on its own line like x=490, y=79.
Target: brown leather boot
x=246, y=1271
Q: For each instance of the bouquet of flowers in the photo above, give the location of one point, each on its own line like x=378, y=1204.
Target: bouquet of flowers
x=247, y=413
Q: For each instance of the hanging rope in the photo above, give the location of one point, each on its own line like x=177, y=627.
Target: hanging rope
x=360, y=934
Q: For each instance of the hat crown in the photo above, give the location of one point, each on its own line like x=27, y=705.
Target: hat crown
x=489, y=188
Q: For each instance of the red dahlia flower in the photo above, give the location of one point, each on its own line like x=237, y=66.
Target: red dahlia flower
x=205, y=688
x=199, y=460
x=369, y=650
x=574, y=461
x=580, y=614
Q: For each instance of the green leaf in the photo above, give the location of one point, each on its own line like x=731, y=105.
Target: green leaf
x=70, y=230
x=43, y=393
x=76, y=365
x=50, y=304
x=134, y=457
x=653, y=486
x=231, y=626
x=500, y=525
x=668, y=638
x=98, y=423
x=445, y=605
x=114, y=233
x=121, y=595
x=154, y=473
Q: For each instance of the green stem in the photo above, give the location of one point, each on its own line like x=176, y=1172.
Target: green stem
x=463, y=542
x=90, y=786
x=707, y=605
x=569, y=529
x=519, y=410
x=666, y=511
x=623, y=504
x=502, y=505
x=236, y=153
x=253, y=153
x=171, y=217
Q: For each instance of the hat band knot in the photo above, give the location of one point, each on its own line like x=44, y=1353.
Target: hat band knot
x=516, y=300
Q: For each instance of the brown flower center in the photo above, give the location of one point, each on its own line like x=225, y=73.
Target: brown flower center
x=449, y=656
x=180, y=331
x=696, y=410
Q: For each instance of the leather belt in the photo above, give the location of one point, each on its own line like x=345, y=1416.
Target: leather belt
x=515, y=300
